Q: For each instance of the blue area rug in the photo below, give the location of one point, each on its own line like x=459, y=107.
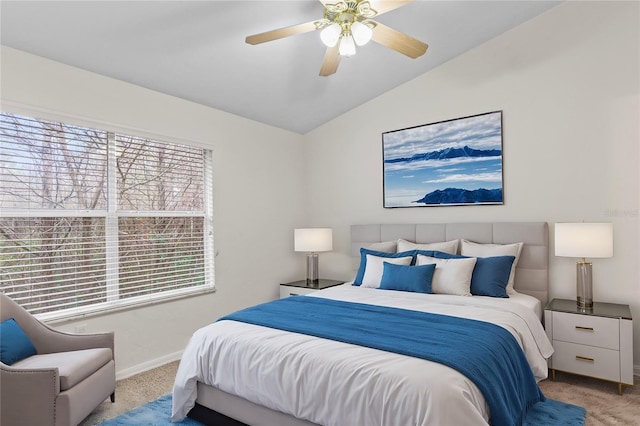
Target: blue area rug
x=158, y=413
x=155, y=413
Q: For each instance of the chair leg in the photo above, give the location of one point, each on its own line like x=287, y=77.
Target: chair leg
x=113, y=397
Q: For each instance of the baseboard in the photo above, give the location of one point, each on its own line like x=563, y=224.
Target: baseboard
x=148, y=365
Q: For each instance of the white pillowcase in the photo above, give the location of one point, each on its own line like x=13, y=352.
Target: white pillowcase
x=450, y=247
x=470, y=248
x=375, y=266
x=452, y=276
x=385, y=246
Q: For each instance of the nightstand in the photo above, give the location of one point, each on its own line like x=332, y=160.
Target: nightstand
x=298, y=288
x=595, y=342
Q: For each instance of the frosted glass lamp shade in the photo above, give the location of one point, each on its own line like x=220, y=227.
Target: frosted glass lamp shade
x=584, y=240
x=347, y=46
x=361, y=33
x=331, y=34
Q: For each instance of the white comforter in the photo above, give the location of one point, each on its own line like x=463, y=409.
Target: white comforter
x=333, y=383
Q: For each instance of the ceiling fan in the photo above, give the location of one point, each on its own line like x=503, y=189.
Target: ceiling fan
x=346, y=24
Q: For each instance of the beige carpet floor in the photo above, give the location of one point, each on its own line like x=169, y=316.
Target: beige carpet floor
x=604, y=406
x=134, y=392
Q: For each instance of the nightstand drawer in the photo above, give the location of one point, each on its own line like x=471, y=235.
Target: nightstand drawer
x=587, y=360
x=587, y=330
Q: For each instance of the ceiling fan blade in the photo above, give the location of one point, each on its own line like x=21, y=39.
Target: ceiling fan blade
x=384, y=6
x=331, y=61
x=398, y=41
x=281, y=33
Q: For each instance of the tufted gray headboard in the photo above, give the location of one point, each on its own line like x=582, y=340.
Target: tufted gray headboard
x=532, y=271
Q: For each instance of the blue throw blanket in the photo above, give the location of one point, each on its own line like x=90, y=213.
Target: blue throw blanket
x=485, y=353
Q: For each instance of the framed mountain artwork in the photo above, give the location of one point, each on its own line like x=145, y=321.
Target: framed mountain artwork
x=449, y=163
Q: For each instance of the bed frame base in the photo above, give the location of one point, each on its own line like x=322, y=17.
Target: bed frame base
x=209, y=417
x=238, y=409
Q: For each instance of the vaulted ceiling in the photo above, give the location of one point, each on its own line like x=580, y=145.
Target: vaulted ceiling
x=196, y=50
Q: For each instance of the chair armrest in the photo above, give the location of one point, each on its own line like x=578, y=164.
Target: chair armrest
x=30, y=394
x=59, y=341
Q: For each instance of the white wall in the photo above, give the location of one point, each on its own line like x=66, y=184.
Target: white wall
x=258, y=196
x=567, y=83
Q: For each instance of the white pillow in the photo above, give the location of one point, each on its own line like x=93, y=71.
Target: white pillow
x=452, y=276
x=450, y=247
x=375, y=266
x=470, y=248
x=385, y=246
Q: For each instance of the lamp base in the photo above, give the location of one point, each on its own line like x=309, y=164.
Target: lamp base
x=584, y=304
x=584, y=285
x=312, y=268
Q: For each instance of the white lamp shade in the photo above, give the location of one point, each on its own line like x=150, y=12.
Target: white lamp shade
x=313, y=240
x=361, y=33
x=584, y=239
x=331, y=34
x=347, y=46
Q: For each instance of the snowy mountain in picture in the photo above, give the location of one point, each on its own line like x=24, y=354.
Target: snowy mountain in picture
x=462, y=196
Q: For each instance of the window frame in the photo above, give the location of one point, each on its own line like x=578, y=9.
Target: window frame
x=111, y=214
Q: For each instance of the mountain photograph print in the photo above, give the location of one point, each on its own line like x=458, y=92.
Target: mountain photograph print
x=453, y=162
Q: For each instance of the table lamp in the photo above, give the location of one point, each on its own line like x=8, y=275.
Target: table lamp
x=312, y=241
x=584, y=240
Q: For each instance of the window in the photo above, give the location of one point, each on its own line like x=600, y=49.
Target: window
x=93, y=220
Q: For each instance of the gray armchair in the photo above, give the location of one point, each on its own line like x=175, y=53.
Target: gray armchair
x=70, y=375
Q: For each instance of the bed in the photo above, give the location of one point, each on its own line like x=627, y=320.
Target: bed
x=239, y=372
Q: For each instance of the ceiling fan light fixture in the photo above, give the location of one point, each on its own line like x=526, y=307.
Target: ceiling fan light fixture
x=347, y=46
x=361, y=33
x=331, y=34
x=345, y=24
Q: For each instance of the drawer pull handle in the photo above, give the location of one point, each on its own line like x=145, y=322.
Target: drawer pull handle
x=578, y=327
x=584, y=358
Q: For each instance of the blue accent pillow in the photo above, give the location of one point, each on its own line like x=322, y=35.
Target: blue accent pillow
x=407, y=278
x=14, y=343
x=490, y=275
x=439, y=254
x=363, y=261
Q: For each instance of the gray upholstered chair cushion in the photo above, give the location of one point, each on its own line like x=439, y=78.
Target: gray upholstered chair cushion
x=73, y=366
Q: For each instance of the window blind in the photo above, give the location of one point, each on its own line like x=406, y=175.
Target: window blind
x=91, y=219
